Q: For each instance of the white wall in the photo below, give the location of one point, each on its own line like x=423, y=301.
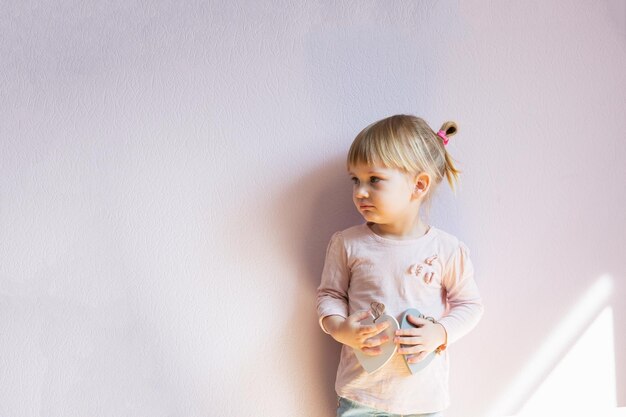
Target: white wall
x=170, y=173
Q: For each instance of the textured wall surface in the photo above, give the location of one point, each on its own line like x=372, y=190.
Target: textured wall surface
x=171, y=172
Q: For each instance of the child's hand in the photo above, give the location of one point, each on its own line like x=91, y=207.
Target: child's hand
x=352, y=333
x=424, y=339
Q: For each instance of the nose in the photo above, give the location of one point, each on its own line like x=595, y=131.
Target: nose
x=360, y=191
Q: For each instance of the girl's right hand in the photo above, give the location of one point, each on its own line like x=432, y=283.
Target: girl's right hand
x=352, y=333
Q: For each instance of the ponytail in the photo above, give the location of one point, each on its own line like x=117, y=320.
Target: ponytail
x=452, y=173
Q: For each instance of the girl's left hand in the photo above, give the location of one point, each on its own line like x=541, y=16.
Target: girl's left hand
x=424, y=339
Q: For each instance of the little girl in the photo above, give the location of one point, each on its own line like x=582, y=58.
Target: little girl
x=397, y=260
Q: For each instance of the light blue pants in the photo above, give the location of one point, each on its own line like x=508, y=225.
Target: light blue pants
x=349, y=408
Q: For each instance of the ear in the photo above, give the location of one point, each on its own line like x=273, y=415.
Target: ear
x=422, y=185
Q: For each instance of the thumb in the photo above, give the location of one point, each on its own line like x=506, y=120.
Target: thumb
x=360, y=315
x=418, y=321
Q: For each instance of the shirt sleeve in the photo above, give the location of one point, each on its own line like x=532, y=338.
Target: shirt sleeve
x=465, y=307
x=332, y=294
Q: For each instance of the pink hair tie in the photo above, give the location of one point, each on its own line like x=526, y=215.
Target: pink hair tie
x=442, y=135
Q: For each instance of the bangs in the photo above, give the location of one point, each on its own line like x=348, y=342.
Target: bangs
x=385, y=144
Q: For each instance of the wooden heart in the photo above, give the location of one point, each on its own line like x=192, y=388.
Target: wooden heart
x=372, y=364
x=406, y=324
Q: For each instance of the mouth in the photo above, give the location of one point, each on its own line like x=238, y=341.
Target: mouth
x=365, y=206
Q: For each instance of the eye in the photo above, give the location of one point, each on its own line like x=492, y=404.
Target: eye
x=374, y=180
x=354, y=180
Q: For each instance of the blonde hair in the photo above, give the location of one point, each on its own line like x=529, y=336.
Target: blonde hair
x=406, y=143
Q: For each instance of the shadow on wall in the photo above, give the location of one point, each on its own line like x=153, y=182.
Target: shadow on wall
x=327, y=209
x=315, y=205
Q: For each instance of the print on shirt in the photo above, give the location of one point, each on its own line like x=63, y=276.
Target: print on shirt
x=426, y=269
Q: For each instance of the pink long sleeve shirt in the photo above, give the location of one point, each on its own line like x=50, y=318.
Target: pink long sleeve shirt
x=362, y=267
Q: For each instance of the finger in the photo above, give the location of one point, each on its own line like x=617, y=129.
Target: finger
x=408, y=332
x=374, y=329
x=417, y=358
x=375, y=341
x=407, y=340
x=372, y=351
x=410, y=350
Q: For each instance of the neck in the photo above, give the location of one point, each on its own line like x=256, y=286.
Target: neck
x=401, y=230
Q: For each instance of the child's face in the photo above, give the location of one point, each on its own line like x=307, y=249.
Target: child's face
x=383, y=195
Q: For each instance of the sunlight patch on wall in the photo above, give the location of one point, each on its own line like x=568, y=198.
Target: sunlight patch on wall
x=562, y=340
x=584, y=380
